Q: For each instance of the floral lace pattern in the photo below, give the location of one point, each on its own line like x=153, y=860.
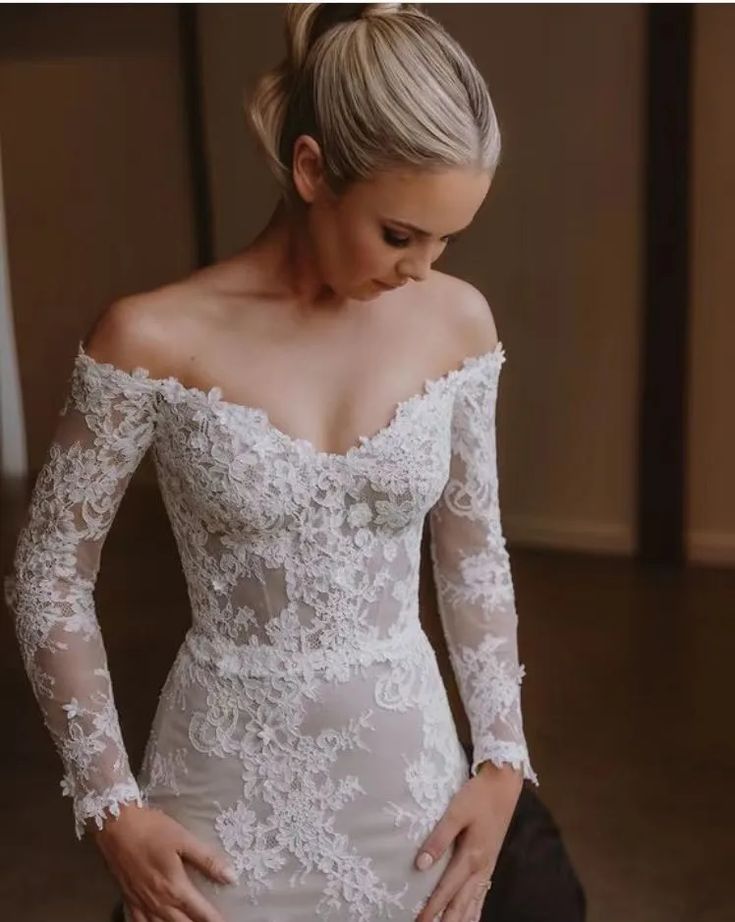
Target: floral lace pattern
x=303, y=726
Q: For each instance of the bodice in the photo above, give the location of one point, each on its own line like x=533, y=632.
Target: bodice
x=294, y=558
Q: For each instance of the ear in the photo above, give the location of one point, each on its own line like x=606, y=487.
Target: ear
x=308, y=167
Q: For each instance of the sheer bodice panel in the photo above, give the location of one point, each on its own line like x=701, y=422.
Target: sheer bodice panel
x=298, y=563
x=280, y=548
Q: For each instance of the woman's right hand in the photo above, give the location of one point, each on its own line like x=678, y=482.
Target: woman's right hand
x=144, y=848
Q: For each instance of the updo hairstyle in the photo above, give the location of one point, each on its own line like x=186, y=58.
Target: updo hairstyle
x=379, y=86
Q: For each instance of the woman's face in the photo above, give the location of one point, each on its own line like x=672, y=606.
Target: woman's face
x=387, y=230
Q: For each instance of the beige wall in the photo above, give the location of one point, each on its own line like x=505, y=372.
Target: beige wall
x=711, y=500
x=95, y=161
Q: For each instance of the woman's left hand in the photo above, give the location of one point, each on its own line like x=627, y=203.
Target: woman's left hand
x=478, y=816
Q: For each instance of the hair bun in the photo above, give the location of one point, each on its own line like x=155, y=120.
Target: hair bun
x=376, y=86
x=372, y=10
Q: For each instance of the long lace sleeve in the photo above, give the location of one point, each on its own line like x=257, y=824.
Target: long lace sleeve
x=102, y=432
x=474, y=587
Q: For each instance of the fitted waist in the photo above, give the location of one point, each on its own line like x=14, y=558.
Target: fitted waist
x=228, y=658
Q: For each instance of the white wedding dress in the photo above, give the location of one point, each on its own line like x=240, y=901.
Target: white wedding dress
x=303, y=727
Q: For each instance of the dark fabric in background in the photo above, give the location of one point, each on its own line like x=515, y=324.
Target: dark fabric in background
x=534, y=880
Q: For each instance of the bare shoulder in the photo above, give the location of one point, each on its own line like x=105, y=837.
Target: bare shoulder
x=467, y=315
x=146, y=330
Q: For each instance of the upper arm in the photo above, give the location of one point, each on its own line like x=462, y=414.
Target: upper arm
x=477, y=323
x=470, y=321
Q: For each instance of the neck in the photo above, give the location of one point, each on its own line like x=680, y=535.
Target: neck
x=284, y=249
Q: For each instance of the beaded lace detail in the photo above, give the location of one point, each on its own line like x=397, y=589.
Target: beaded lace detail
x=302, y=572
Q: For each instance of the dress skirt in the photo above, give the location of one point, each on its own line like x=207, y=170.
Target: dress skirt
x=319, y=785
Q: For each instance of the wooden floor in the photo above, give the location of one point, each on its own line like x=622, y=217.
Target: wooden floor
x=627, y=700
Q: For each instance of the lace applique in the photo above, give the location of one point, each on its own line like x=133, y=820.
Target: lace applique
x=474, y=584
x=305, y=701
x=104, y=428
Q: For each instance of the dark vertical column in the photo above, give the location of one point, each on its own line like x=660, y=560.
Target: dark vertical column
x=662, y=422
x=194, y=108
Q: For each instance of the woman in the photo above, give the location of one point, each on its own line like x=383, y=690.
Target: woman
x=303, y=762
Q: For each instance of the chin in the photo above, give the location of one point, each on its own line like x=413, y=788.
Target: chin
x=369, y=292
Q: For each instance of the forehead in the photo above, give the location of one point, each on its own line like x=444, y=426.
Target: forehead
x=439, y=202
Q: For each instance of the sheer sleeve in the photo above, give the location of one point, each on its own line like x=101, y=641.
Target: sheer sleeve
x=474, y=587
x=103, y=430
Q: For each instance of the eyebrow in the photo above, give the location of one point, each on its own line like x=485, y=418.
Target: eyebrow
x=423, y=233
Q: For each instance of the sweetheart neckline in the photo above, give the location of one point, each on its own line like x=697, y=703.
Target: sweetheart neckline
x=213, y=398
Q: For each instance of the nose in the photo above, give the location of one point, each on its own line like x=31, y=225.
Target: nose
x=416, y=269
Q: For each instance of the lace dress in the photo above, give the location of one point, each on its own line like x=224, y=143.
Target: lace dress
x=303, y=727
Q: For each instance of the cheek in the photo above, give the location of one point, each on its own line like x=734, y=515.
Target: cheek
x=373, y=256
x=359, y=256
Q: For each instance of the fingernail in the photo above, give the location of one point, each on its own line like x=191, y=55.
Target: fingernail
x=425, y=861
x=229, y=875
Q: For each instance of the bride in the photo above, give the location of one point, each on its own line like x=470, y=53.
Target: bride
x=310, y=403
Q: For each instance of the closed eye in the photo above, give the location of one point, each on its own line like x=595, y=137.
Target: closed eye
x=394, y=240
x=397, y=241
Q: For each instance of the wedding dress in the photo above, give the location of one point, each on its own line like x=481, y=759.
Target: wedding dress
x=303, y=727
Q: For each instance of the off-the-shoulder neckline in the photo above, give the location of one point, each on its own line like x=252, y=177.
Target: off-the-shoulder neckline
x=213, y=397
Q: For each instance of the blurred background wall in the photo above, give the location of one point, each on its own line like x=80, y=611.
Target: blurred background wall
x=97, y=178
x=711, y=435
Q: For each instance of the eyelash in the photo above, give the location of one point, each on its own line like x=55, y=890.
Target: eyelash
x=395, y=241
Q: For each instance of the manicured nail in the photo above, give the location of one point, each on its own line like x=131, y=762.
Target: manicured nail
x=425, y=861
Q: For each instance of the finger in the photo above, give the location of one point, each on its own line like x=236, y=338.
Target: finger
x=150, y=916
x=468, y=866
x=442, y=837
x=453, y=878
x=141, y=915
x=134, y=914
x=470, y=899
x=210, y=860
x=181, y=902
x=174, y=915
x=138, y=914
x=457, y=908
x=191, y=905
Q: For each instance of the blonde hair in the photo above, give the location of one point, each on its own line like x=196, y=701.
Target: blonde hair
x=379, y=86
